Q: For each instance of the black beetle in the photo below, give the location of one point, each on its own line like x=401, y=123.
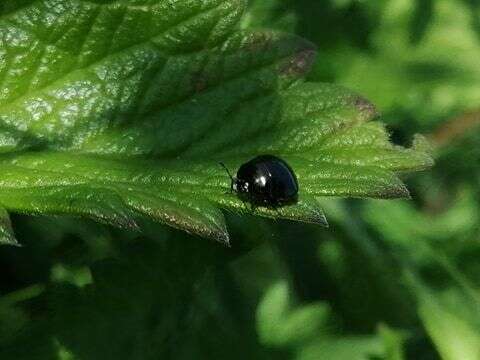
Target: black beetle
x=265, y=180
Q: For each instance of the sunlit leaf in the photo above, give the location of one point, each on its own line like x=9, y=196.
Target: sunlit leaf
x=116, y=111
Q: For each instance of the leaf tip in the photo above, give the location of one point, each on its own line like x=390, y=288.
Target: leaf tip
x=324, y=222
x=302, y=59
x=300, y=64
x=318, y=218
x=367, y=109
x=222, y=236
x=307, y=210
x=7, y=236
x=397, y=191
x=424, y=147
x=10, y=241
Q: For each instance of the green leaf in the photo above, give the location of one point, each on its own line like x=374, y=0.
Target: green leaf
x=393, y=342
x=118, y=111
x=399, y=55
x=455, y=336
x=348, y=347
x=280, y=324
x=420, y=45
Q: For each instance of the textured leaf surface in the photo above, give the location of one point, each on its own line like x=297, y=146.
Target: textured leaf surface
x=120, y=110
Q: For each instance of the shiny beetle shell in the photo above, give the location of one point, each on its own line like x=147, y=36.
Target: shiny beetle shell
x=267, y=181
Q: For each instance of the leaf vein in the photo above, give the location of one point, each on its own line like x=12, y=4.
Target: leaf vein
x=104, y=58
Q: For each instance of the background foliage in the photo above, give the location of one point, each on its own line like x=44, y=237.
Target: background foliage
x=388, y=280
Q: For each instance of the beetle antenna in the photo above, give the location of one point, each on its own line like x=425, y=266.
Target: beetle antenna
x=226, y=169
x=230, y=175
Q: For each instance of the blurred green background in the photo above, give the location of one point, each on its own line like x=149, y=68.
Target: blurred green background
x=388, y=280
